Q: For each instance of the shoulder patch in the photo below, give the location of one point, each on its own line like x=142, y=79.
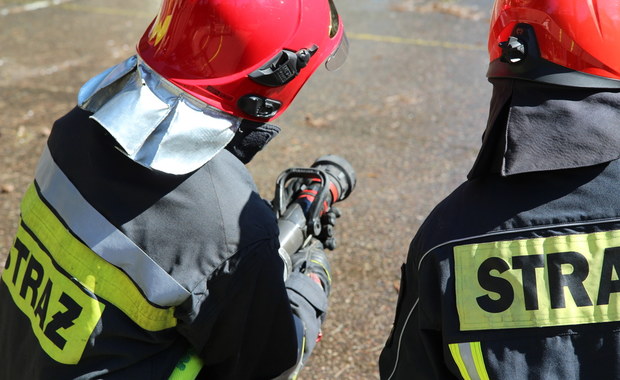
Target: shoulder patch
x=62, y=314
x=553, y=281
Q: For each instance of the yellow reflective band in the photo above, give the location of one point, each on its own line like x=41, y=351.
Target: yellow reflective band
x=456, y=355
x=476, y=353
x=62, y=315
x=469, y=360
x=93, y=272
x=187, y=368
x=553, y=281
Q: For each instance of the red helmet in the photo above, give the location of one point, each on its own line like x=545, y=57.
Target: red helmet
x=246, y=57
x=563, y=42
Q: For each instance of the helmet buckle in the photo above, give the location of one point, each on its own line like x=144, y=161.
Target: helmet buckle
x=283, y=68
x=513, y=50
x=258, y=106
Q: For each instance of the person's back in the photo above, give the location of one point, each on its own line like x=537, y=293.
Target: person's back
x=514, y=275
x=514, y=278
x=144, y=250
x=164, y=247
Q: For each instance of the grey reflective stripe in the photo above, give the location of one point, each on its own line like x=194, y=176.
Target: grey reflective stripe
x=468, y=359
x=103, y=238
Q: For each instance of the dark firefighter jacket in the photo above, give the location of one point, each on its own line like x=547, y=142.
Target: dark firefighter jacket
x=515, y=275
x=121, y=272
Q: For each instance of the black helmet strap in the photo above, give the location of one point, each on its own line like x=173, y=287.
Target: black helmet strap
x=521, y=59
x=282, y=68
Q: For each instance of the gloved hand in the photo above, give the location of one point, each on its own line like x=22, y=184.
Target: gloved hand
x=310, y=284
x=328, y=221
x=313, y=262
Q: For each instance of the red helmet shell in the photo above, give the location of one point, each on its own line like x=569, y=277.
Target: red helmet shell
x=209, y=47
x=578, y=35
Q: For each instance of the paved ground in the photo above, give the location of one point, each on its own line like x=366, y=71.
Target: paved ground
x=407, y=110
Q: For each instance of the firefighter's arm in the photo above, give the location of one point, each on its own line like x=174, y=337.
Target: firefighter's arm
x=308, y=288
x=415, y=347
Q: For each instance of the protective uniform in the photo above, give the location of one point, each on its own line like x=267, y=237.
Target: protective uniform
x=144, y=250
x=515, y=274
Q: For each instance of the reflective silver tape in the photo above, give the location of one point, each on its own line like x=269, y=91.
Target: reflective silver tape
x=103, y=238
x=157, y=124
x=468, y=359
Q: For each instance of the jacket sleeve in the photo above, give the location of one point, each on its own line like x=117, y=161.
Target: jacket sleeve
x=246, y=326
x=414, y=349
x=242, y=324
x=309, y=304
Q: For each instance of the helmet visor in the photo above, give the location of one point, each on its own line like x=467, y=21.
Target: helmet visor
x=337, y=58
x=334, y=24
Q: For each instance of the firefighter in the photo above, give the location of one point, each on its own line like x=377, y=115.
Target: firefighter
x=515, y=275
x=144, y=250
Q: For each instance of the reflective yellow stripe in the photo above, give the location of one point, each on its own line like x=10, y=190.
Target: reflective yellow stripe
x=481, y=369
x=469, y=360
x=456, y=355
x=187, y=368
x=94, y=273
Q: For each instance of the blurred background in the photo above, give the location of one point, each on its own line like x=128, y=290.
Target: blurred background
x=407, y=110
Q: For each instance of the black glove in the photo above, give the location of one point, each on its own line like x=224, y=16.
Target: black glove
x=313, y=262
x=328, y=221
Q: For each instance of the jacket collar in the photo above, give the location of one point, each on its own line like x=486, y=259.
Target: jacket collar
x=537, y=127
